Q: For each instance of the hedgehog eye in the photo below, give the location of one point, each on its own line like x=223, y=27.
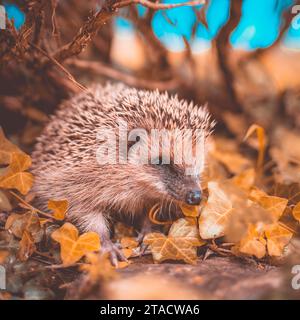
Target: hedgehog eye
x=131, y=143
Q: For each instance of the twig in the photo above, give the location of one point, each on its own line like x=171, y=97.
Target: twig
x=70, y=77
x=157, y=6
x=92, y=25
x=30, y=207
x=107, y=71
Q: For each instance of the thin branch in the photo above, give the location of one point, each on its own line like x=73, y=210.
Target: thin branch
x=55, y=62
x=92, y=25
x=109, y=72
x=157, y=6
x=222, y=45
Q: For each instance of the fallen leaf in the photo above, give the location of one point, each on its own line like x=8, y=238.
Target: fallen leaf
x=4, y=202
x=296, y=212
x=253, y=243
x=180, y=244
x=74, y=247
x=59, y=208
x=190, y=211
x=27, y=246
x=275, y=205
x=215, y=214
x=30, y=222
x=277, y=238
x=261, y=137
x=3, y=255
x=14, y=176
x=245, y=179
x=129, y=242
x=6, y=149
x=98, y=267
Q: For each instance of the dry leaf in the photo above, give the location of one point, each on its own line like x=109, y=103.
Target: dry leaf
x=215, y=214
x=98, y=267
x=277, y=238
x=129, y=242
x=180, y=244
x=27, y=246
x=74, y=247
x=30, y=222
x=128, y=245
x=189, y=211
x=3, y=255
x=296, y=212
x=261, y=137
x=6, y=149
x=234, y=162
x=275, y=205
x=245, y=179
x=4, y=202
x=59, y=208
x=286, y=153
x=14, y=176
x=253, y=243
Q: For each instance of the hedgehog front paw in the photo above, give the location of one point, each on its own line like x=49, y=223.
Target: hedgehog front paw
x=115, y=252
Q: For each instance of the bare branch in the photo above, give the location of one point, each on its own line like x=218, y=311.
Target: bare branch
x=157, y=6
x=222, y=44
x=109, y=72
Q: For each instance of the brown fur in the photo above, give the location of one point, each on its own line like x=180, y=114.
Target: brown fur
x=65, y=165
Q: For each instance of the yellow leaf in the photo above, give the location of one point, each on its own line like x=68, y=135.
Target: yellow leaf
x=275, y=205
x=215, y=214
x=253, y=243
x=14, y=177
x=180, y=244
x=27, y=246
x=128, y=245
x=98, y=267
x=59, y=208
x=122, y=264
x=296, y=211
x=277, y=238
x=189, y=211
x=234, y=162
x=129, y=242
x=74, y=247
x=3, y=255
x=128, y=252
x=260, y=132
x=6, y=149
x=30, y=222
x=186, y=228
x=245, y=179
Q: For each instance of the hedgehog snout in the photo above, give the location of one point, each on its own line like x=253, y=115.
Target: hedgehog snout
x=193, y=197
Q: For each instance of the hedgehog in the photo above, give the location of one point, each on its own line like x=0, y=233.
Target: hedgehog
x=66, y=160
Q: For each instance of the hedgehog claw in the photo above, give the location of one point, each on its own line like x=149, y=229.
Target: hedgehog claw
x=115, y=253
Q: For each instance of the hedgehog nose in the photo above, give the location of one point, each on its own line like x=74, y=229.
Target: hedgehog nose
x=193, y=197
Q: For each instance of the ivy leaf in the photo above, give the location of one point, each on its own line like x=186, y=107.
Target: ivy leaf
x=296, y=212
x=30, y=222
x=275, y=205
x=277, y=238
x=214, y=216
x=27, y=246
x=180, y=244
x=14, y=176
x=189, y=211
x=253, y=243
x=73, y=247
x=6, y=149
x=59, y=208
